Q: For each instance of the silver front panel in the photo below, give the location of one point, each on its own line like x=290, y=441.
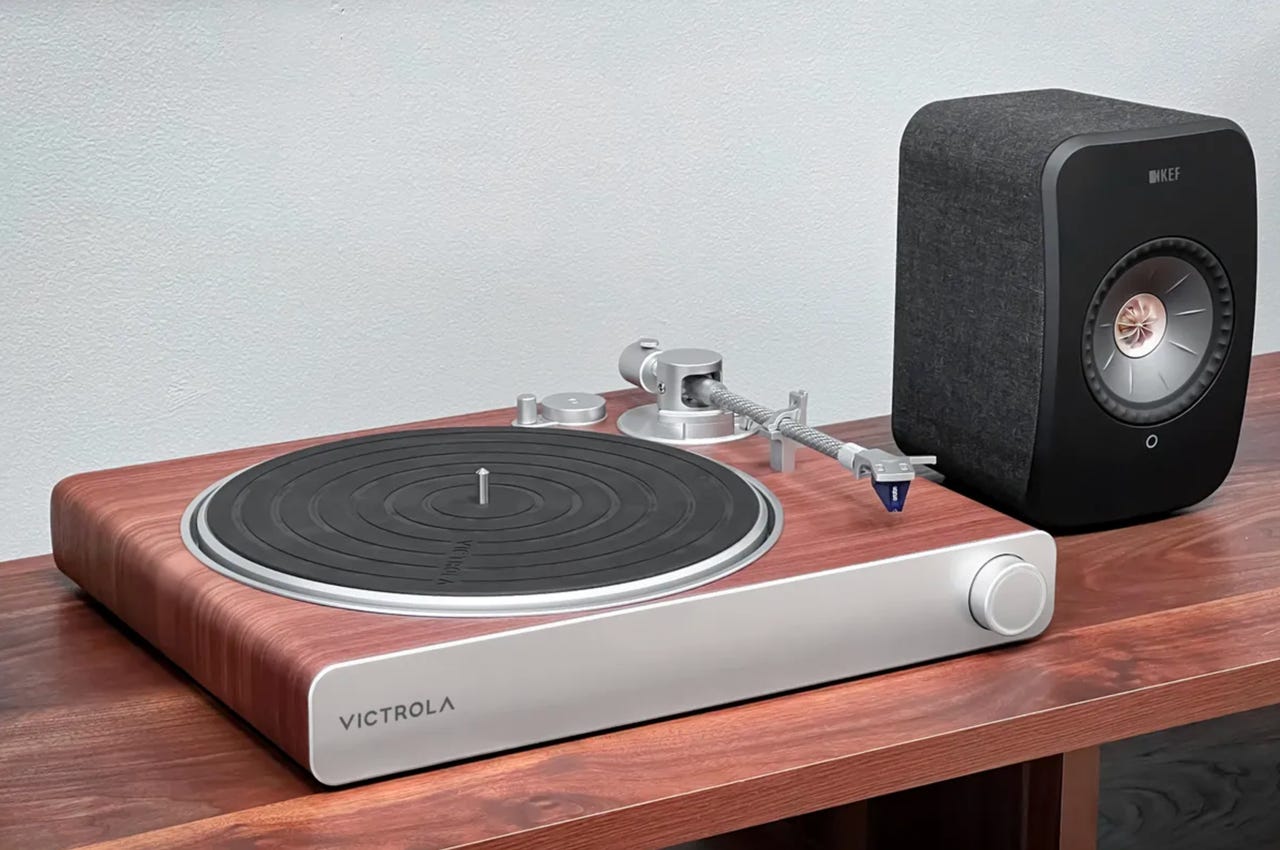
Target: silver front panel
x=388, y=713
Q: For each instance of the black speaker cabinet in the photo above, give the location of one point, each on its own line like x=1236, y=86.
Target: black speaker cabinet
x=1075, y=298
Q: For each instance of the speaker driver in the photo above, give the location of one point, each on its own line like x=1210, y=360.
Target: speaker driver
x=1157, y=331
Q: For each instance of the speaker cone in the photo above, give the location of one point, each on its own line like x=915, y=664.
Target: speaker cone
x=1157, y=331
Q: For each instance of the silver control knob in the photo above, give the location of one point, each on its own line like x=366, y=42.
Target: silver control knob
x=1008, y=595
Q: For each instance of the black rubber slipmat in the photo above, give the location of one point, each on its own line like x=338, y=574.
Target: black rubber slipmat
x=400, y=512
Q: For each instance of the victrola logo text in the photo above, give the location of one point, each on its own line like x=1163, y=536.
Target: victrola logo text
x=394, y=713
x=1164, y=175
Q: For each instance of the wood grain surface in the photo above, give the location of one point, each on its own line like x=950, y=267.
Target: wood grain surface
x=1157, y=625
x=116, y=533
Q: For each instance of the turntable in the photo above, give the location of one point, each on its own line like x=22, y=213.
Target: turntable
x=401, y=598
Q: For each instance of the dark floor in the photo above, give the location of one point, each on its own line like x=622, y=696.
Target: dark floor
x=1209, y=786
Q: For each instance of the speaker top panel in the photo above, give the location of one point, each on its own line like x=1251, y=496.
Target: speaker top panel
x=1015, y=133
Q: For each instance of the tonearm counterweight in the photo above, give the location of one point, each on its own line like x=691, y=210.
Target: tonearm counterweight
x=694, y=407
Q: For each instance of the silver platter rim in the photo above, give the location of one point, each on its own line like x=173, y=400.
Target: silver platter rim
x=201, y=543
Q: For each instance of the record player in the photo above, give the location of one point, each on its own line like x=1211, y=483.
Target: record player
x=400, y=598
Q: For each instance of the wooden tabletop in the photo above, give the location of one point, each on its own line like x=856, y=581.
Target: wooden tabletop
x=103, y=742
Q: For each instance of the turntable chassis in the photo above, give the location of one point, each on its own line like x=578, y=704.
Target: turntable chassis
x=842, y=593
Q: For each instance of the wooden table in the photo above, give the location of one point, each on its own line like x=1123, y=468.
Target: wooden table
x=103, y=742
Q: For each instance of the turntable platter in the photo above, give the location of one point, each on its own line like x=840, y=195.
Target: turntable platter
x=397, y=523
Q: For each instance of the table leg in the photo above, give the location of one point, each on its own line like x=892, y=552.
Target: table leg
x=1078, y=801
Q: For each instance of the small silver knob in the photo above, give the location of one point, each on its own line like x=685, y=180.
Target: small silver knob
x=526, y=409
x=636, y=363
x=1008, y=595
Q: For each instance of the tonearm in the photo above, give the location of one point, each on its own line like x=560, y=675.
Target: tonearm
x=692, y=406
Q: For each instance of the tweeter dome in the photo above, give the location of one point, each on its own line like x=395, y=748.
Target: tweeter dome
x=1075, y=300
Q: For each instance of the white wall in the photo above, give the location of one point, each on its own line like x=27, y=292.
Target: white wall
x=229, y=223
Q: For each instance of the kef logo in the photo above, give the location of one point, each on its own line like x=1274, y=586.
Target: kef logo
x=1164, y=175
